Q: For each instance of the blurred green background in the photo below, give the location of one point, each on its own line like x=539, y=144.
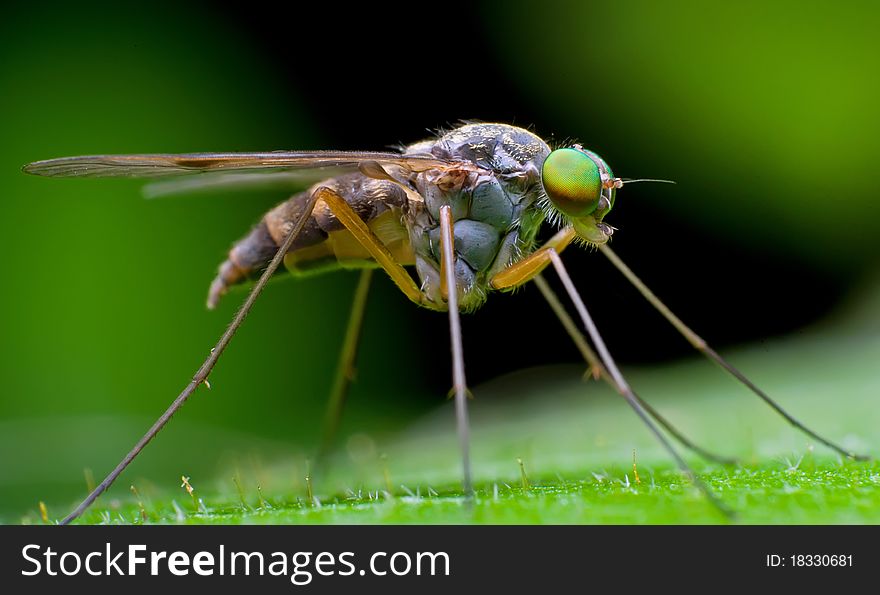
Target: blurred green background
x=765, y=115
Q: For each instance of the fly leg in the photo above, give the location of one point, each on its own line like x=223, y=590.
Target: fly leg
x=531, y=266
x=459, y=382
x=700, y=345
x=345, y=369
x=201, y=375
x=529, y=269
x=372, y=244
x=356, y=226
x=598, y=370
x=621, y=383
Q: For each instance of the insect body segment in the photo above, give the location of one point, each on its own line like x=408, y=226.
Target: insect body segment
x=324, y=242
x=494, y=209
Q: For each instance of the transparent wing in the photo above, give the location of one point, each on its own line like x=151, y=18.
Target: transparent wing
x=169, y=164
x=240, y=181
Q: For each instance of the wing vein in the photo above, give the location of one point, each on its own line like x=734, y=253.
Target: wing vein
x=155, y=165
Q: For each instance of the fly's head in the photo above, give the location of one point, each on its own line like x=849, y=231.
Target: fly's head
x=580, y=189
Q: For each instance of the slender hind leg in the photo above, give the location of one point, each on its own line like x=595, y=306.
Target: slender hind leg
x=597, y=370
x=345, y=369
x=528, y=269
x=700, y=345
x=201, y=375
x=621, y=383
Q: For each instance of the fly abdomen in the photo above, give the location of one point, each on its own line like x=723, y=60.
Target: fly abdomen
x=323, y=243
x=248, y=256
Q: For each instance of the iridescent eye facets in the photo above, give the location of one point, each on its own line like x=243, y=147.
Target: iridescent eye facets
x=572, y=181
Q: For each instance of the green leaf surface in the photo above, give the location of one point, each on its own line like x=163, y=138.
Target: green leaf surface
x=577, y=441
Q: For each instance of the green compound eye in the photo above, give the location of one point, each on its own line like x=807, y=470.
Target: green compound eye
x=572, y=181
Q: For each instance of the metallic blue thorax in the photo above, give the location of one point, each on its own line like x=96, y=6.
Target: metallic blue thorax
x=494, y=208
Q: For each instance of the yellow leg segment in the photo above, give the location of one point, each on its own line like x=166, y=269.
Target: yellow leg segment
x=528, y=268
x=363, y=234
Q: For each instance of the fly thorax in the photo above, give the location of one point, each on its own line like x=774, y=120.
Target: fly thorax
x=494, y=208
x=486, y=213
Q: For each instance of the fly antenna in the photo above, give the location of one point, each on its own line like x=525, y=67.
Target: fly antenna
x=629, y=181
